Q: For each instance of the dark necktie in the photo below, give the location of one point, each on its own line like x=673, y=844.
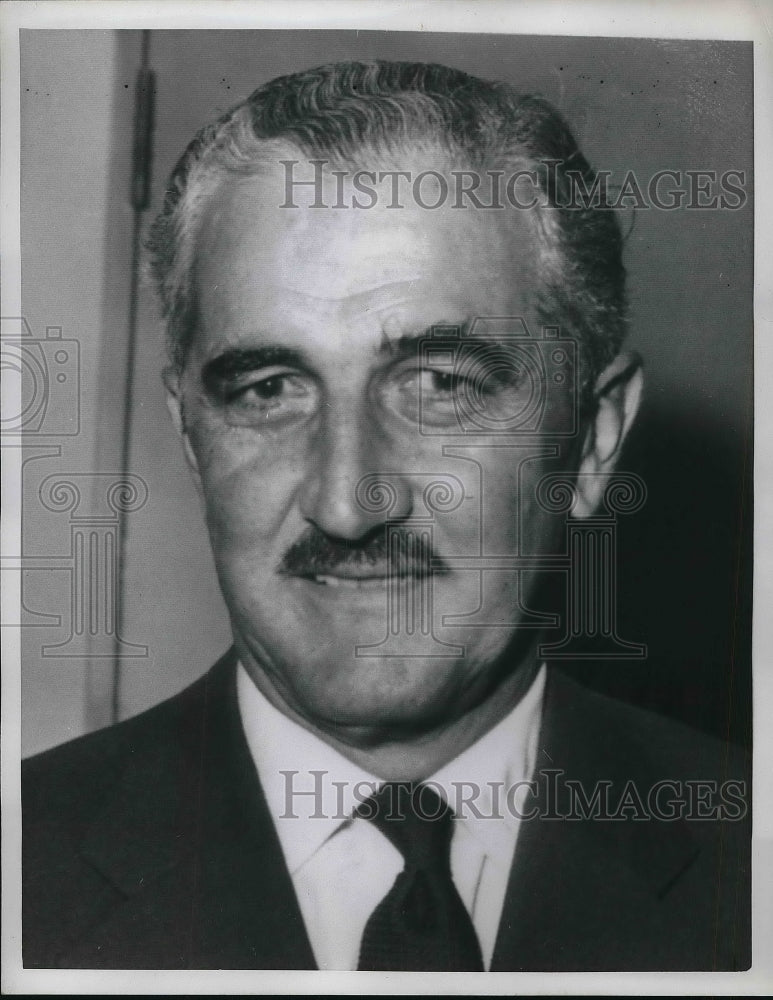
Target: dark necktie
x=421, y=925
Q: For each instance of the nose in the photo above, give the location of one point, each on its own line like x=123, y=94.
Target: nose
x=344, y=494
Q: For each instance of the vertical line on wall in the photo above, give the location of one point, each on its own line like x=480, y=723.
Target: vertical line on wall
x=139, y=195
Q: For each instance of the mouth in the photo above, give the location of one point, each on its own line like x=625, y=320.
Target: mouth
x=367, y=578
x=349, y=582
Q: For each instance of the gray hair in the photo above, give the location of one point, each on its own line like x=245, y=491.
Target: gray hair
x=341, y=111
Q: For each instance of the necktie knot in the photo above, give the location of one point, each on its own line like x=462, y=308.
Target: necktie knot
x=415, y=819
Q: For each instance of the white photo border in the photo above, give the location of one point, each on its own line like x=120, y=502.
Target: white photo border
x=708, y=19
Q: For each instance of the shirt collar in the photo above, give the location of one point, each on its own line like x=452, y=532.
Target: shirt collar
x=291, y=761
x=477, y=782
x=312, y=789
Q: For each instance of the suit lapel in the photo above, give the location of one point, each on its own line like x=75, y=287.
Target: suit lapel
x=202, y=873
x=199, y=879
x=585, y=894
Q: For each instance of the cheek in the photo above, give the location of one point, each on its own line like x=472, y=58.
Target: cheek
x=500, y=502
x=513, y=519
x=248, y=485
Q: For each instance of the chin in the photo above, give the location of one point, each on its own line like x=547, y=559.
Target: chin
x=337, y=677
x=381, y=693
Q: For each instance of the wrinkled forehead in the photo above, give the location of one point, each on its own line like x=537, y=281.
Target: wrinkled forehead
x=334, y=231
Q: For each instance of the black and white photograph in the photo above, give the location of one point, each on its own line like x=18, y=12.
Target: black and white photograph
x=379, y=553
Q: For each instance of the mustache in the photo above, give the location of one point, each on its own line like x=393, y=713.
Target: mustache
x=392, y=551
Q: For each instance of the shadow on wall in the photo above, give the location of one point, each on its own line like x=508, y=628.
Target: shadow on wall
x=685, y=575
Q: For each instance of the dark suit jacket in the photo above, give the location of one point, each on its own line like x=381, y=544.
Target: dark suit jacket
x=149, y=845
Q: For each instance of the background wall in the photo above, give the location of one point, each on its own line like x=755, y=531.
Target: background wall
x=642, y=105
x=67, y=142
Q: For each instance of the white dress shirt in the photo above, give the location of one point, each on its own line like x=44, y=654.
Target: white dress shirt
x=341, y=867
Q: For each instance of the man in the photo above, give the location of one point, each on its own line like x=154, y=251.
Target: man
x=394, y=338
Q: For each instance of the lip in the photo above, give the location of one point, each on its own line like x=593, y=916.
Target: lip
x=328, y=591
x=348, y=582
x=356, y=582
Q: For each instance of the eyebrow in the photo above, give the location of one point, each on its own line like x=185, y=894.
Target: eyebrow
x=237, y=361
x=408, y=344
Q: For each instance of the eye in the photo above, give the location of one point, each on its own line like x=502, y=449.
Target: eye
x=486, y=382
x=445, y=385
x=440, y=382
x=273, y=398
x=411, y=390
x=267, y=388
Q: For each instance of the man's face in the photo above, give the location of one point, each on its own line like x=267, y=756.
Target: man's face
x=303, y=379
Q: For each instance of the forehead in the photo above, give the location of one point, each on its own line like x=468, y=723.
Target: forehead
x=260, y=262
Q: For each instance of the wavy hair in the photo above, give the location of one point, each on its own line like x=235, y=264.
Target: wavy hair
x=345, y=111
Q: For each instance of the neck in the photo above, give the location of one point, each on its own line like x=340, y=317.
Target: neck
x=410, y=756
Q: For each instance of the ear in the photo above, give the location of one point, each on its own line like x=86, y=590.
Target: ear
x=174, y=403
x=616, y=398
